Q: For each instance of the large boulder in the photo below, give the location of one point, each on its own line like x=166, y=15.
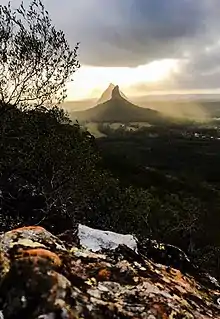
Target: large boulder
x=104, y=275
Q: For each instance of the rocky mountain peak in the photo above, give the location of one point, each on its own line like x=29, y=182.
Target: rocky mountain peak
x=112, y=92
x=116, y=93
x=107, y=94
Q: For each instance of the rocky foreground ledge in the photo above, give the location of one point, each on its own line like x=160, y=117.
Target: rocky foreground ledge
x=94, y=275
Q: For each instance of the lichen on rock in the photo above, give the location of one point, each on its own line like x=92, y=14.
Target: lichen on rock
x=41, y=277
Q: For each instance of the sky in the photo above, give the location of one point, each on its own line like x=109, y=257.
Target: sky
x=144, y=46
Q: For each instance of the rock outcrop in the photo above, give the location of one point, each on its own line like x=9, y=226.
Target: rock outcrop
x=45, y=277
x=109, y=93
x=106, y=95
x=116, y=93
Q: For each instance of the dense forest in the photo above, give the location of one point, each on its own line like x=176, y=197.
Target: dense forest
x=178, y=166
x=54, y=173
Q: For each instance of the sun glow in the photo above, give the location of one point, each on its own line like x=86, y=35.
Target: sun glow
x=90, y=81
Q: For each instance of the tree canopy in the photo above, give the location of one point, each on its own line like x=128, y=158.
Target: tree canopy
x=36, y=60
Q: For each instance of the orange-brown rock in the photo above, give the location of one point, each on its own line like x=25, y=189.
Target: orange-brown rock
x=41, y=278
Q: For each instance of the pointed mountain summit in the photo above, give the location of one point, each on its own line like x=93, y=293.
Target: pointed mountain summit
x=116, y=108
x=111, y=91
x=107, y=94
x=116, y=93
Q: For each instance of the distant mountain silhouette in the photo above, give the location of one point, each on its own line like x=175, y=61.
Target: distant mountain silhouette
x=116, y=108
x=107, y=94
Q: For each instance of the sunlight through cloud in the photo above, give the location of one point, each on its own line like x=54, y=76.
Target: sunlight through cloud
x=89, y=80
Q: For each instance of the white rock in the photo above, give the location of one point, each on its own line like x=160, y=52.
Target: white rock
x=95, y=240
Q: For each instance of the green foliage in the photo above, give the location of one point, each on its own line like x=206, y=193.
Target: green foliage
x=177, y=175
x=35, y=59
x=51, y=174
x=50, y=153
x=46, y=155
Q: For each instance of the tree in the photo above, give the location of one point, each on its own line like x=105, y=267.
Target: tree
x=36, y=61
x=48, y=169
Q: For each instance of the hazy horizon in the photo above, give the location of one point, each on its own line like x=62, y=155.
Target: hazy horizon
x=208, y=93
x=175, y=104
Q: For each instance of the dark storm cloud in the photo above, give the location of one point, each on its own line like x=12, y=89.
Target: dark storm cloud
x=131, y=32
x=134, y=32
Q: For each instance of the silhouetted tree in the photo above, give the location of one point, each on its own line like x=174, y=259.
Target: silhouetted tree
x=35, y=59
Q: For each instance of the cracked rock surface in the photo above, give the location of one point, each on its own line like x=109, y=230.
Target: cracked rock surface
x=44, y=277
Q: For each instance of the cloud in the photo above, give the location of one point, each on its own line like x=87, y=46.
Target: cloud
x=135, y=32
x=132, y=32
x=201, y=70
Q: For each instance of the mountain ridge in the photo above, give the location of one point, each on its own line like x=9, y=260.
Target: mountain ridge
x=116, y=109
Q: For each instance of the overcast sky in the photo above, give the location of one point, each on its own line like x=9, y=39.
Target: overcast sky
x=128, y=35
